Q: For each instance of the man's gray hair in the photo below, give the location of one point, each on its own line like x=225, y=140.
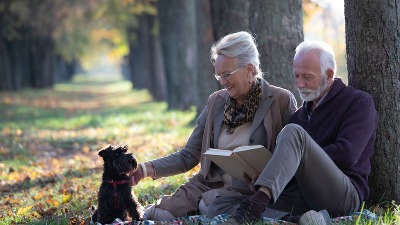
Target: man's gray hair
x=326, y=54
x=241, y=45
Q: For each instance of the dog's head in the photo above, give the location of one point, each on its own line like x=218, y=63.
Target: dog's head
x=117, y=160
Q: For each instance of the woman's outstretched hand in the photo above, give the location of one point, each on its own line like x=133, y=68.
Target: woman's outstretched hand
x=137, y=176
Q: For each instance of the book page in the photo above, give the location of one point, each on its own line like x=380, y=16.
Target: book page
x=214, y=151
x=248, y=147
x=230, y=164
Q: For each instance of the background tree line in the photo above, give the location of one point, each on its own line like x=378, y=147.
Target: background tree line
x=33, y=46
x=167, y=51
x=168, y=41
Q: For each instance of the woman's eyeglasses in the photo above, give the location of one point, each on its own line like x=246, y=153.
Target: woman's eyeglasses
x=226, y=75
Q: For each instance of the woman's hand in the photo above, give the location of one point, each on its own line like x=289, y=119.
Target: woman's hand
x=137, y=176
x=250, y=181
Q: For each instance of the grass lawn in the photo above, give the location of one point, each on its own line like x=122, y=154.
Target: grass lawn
x=49, y=139
x=49, y=168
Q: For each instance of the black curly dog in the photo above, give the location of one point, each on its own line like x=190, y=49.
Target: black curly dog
x=115, y=197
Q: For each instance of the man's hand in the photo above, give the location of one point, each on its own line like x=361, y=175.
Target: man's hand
x=250, y=181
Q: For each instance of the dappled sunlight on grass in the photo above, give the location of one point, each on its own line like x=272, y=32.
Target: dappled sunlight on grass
x=84, y=95
x=49, y=141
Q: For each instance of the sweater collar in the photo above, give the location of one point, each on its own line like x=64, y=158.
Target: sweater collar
x=337, y=86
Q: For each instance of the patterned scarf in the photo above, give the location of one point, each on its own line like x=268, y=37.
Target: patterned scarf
x=236, y=116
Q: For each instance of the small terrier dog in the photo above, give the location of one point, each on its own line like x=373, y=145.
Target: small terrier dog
x=115, y=197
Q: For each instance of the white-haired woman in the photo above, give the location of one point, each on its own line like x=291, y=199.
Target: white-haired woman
x=248, y=111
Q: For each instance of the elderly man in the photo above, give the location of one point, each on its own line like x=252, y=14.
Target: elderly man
x=322, y=158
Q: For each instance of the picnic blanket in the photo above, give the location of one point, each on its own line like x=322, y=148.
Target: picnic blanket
x=202, y=220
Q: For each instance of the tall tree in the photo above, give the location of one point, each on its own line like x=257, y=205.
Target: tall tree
x=205, y=39
x=178, y=42
x=278, y=27
x=373, y=63
x=159, y=83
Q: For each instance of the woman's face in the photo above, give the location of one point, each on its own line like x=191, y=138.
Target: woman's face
x=237, y=84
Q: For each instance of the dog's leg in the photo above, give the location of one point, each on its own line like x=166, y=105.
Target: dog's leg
x=94, y=217
x=134, y=209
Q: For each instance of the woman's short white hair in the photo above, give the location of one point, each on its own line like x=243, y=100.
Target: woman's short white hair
x=326, y=54
x=241, y=45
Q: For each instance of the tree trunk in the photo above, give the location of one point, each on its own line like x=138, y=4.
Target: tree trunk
x=140, y=54
x=134, y=59
x=42, y=53
x=5, y=70
x=63, y=70
x=159, y=79
x=278, y=27
x=229, y=16
x=15, y=54
x=207, y=83
x=373, y=63
x=178, y=42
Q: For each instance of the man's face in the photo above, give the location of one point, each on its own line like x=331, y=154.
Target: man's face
x=307, y=75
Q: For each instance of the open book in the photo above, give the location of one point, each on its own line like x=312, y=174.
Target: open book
x=250, y=159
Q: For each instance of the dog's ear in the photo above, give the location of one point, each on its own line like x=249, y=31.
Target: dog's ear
x=124, y=148
x=103, y=152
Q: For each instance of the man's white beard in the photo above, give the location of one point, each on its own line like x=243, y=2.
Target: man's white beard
x=313, y=94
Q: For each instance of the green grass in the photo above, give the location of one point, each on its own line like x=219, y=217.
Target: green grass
x=49, y=139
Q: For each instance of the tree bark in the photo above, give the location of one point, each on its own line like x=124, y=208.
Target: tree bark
x=134, y=59
x=207, y=83
x=5, y=70
x=373, y=63
x=229, y=16
x=42, y=53
x=140, y=54
x=278, y=28
x=159, y=82
x=178, y=42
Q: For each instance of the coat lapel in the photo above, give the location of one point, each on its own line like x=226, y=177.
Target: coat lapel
x=219, y=118
x=265, y=104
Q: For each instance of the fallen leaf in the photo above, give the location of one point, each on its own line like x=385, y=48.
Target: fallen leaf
x=45, y=213
x=5, y=188
x=24, y=210
x=85, y=149
x=52, y=202
x=65, y=199
x=38, y=196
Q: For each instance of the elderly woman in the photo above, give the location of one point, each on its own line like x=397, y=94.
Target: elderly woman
x=248, y=111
